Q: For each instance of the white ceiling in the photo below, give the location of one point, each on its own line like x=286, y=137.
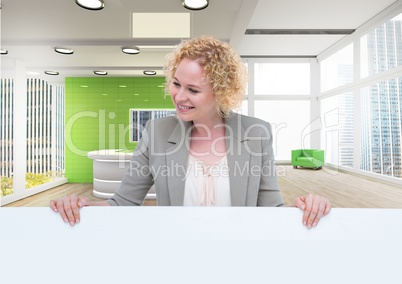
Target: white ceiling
x=31, y=29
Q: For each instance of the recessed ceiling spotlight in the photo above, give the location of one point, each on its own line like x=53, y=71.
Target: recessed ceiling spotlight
x=3, y=51
x=130, y=49
x=51, y=73
x=101, y=73
x=195, y=4
x=91, y=4
x=149, y=72
x=64, y=50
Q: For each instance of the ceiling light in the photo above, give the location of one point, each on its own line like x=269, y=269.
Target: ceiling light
x=102, y=73
x=91, y=4
x=195, y=4
x=63, y=50
x=131, y=49
x=149, y=72
x=51, y=73
x=3, y=51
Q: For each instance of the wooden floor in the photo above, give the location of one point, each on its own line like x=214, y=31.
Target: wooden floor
x=343, y=190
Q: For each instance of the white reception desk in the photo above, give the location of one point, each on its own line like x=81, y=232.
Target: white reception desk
x=200, y=245
x=109, y=167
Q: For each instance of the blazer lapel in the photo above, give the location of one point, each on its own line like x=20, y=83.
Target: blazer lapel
x=177, y=152
x=238, y=158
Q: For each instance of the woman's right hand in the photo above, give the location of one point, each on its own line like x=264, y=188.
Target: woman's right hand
x=69, y=207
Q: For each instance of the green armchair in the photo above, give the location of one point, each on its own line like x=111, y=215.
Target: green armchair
x=309, y=158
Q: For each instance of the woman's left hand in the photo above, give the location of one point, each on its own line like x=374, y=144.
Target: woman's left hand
x=314, y=207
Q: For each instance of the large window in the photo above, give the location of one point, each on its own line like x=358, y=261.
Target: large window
x=282, y=97
x=282, y=78
x=381, y=102
x=381, y=116
x=381, y=48
x=337, y=111
x=337, y=70
x=6, y=136
x=44, y=136
x=337, y=132
x=365, y=116
x=290, y=122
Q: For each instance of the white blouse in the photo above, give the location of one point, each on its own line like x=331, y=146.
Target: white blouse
x=207, y=185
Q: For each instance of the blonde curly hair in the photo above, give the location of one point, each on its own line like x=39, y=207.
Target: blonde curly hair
x=222, y=66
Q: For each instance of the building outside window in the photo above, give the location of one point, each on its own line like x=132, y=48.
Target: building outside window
x=377, y=102
x=382, y=114
x=44, y=134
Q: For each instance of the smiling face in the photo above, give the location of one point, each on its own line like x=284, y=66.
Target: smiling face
x=192, y=94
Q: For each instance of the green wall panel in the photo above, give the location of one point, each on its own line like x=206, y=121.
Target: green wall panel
x=97, y=116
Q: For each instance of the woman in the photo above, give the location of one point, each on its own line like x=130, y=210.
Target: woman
x=207, y=155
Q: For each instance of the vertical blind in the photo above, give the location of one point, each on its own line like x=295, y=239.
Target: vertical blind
x=45, y=127
x=6, y=126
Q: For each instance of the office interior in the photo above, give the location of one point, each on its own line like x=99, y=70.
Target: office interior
x=326, y=74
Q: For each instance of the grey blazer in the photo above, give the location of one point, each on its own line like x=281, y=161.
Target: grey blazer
x=160, y=158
